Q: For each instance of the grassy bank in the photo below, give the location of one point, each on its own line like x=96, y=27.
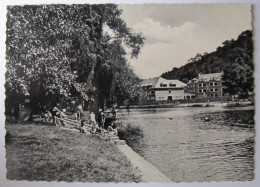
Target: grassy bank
x=37, y=152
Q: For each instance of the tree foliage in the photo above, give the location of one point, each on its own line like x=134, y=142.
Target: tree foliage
x=58, y=52
x=234, y=58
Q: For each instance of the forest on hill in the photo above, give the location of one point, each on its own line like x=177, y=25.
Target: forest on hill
x=234, y=58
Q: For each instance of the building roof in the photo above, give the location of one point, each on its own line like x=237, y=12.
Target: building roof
x=150, y=82
x=177, y=83
x=157, y=81
x=207, y=77
x=210, y=76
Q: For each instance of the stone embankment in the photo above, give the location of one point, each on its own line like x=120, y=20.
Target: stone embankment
x=149, y=172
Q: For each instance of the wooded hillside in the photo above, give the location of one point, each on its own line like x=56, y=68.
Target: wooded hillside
x=234, y=58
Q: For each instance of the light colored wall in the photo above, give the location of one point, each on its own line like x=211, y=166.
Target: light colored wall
x=161, y=95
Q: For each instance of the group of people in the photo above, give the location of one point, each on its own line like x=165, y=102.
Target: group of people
x=57, y=113
x=97, y=121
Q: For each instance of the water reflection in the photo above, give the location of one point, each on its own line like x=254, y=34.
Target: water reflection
x=188, y=148
x=240, y=118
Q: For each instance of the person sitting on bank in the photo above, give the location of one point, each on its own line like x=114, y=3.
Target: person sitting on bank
x=46, y=115
x=62, y=113
x=95, y=129
x=112, y=129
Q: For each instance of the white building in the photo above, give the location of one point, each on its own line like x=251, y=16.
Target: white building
x=160, y=89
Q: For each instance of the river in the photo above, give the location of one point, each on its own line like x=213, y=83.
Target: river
x=186, y=148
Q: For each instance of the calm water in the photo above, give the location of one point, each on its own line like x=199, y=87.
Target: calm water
x=187, y=148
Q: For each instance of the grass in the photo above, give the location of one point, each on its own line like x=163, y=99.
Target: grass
x=50, y=153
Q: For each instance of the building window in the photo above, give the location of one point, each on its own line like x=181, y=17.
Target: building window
x=172, y=85
x=199, y=85
x=212, y=90
x=200, y=91
x=152, y=92
x=163, y=85
x=204, y=85
x=204, y=90
x=212, y=95
x=211, y=84
x=216, y=89
x=216, y=95
x=215, y=83
x=170, y=91
x=159, y=97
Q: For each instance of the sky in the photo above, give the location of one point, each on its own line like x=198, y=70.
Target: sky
x=177, y=32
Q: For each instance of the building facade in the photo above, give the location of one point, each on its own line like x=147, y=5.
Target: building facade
x=148, y=86
x=160, y=89
x=207, y=86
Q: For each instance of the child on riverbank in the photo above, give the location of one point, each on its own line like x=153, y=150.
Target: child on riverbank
x=101, y=118
x=55, y=114
x=93, y=122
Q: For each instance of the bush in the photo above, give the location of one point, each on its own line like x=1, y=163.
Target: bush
x=126, y=130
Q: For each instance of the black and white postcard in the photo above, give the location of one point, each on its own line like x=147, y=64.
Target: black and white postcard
x=120, y=92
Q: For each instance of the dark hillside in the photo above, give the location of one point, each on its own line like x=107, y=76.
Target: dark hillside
x=234, y=58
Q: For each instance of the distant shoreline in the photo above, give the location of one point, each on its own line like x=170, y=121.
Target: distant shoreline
x=191, y=104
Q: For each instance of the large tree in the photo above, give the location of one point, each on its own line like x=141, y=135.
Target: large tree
x=57, y=52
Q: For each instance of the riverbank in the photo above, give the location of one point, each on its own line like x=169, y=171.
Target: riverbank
x=187, y=104
x=50, y=153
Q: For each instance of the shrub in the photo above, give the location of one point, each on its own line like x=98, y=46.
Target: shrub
x=126, y=130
